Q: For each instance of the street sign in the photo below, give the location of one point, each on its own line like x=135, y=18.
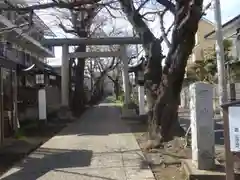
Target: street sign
x=234, y=128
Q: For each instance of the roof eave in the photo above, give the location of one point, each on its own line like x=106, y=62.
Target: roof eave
x=226, y=26
x=25, y=40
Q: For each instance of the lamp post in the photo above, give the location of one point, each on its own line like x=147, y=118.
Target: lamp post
x=141, y=92
x=40, y=79
x=42, y=105
x=139, y=80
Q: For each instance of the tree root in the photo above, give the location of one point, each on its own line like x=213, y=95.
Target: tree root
x=152, y=144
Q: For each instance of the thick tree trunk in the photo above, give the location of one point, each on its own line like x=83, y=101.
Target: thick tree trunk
x=98, y=88
x=83, y=28
x=79, y=94
x=163, y=87
x=167, y=102
x=152, y=78
x=116, y=89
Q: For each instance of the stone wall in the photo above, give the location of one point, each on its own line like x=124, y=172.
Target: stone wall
x=53, y=98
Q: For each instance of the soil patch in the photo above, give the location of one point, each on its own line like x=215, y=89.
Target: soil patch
x=166, y=162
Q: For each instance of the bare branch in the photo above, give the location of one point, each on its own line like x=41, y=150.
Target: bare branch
x=162, y=28
x=139, y=24
x=110, y=78
x=150, y=13
x=148, y=19
x=168, y=5
x=97, y=27
x=66, y=30
x=109, y=4
x=54, y=4
x=9, y=29
x=142, y=5
x=110, y=13
x=206, y=8
x=134, y=56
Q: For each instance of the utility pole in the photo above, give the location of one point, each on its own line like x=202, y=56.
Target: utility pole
x=222, y=86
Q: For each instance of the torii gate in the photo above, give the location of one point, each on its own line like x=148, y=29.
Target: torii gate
x=65, y=43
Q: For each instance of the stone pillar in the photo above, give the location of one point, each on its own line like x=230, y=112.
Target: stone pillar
x=65, y=76
x=202, y=125
x=125, y=75
x=42, y=104
x=141, y=100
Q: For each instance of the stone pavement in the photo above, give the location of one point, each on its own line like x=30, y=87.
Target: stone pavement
x=99, y=146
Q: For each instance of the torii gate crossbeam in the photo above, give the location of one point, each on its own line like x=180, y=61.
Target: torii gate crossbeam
x=92, y=41
x=65, y=43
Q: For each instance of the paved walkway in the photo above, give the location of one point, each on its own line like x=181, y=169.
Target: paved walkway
x=97, y=147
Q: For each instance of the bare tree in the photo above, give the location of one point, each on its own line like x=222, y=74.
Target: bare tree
x=164, y=86
x=81, y=13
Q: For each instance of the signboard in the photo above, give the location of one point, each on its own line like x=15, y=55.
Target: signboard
x=234, y=128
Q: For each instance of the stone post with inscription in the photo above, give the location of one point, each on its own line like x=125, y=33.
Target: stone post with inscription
x=202, y=125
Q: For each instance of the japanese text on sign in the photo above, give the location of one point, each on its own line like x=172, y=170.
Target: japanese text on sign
x=234, y=128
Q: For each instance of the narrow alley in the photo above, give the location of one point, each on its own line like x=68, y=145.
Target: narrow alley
x=99, y=146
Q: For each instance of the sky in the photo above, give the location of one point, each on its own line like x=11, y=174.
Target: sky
x=229, y=9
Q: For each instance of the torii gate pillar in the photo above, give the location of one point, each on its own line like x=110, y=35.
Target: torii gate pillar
x=65, y=77
x=125, y=75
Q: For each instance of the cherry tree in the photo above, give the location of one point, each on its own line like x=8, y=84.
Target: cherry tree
x=163, y=83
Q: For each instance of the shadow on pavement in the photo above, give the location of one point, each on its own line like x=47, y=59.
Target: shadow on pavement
x=99, y=120
x=44, y=160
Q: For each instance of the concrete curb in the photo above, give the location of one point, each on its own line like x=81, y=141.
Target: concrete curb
x=195, y=174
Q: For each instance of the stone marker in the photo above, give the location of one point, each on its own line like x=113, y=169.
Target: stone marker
x=42, y=104
x=202, y=125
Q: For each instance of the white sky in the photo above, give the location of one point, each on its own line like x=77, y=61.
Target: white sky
x=229, y=9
